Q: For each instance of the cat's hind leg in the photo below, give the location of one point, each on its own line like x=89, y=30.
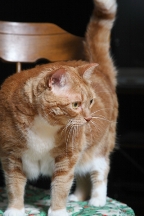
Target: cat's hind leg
x=98, y=176
x=83, y=188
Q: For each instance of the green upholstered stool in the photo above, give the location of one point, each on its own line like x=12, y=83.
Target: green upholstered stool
x=38, y=200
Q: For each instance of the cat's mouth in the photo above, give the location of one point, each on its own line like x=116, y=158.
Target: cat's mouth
x=79, y=123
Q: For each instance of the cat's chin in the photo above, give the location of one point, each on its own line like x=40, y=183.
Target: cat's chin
x=14, y=212
x=61, y=212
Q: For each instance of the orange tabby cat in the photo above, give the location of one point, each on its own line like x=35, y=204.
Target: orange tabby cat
x=59, y=120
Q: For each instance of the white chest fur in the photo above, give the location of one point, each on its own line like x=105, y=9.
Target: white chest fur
x=40, y=140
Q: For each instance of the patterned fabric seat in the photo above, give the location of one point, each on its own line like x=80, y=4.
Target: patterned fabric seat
x=38, y=200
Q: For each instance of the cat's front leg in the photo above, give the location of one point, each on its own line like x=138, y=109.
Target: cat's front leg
x=98, y=177
x=61, y=183
x=15, y=184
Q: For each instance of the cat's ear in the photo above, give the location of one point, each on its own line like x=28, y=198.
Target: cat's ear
x=87, y=69
x=58, y=78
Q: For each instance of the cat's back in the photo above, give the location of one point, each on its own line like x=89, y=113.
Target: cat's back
x=15, y=82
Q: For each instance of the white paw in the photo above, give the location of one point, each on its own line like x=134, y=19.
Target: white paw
x=72, y=197
x=97, y=202
x=14, y=212
x=61, y=212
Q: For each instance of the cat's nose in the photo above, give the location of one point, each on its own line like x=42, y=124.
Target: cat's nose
x=88, y=118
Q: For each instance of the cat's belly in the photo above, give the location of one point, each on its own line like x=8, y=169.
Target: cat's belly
x=40, y=140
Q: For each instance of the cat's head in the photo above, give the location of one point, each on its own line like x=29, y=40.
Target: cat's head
x=68, y=95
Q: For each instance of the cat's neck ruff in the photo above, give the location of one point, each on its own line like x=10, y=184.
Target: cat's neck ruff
x=41, y=135
x=40, y=140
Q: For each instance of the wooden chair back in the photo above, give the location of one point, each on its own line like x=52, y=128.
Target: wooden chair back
x=28, y=42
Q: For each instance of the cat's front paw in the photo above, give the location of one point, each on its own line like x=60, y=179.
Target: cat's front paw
x=73, y=197
x=99, y=201
x=61, y=212
x=14, y=212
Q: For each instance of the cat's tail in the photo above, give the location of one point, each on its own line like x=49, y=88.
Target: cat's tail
x=97, y=42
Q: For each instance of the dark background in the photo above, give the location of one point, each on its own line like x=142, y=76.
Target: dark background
x=126, y=179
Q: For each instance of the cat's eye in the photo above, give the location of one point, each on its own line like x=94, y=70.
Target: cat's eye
x=91, y=101
x=75, y=105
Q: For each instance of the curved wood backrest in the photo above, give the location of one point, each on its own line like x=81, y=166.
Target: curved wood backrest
x=28, y=42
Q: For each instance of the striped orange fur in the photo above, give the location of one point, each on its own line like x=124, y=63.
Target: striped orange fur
x=59, y=119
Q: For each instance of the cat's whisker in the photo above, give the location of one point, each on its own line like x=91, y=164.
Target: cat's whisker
x=77, y=128
x=73, y=130
x=69, y=128
x=102, y=118
x=95, y=125
x=73, y=137
x=66, y=127
x=90, y=131
x=99, y=110
x=104, y=91
x=68, y=137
